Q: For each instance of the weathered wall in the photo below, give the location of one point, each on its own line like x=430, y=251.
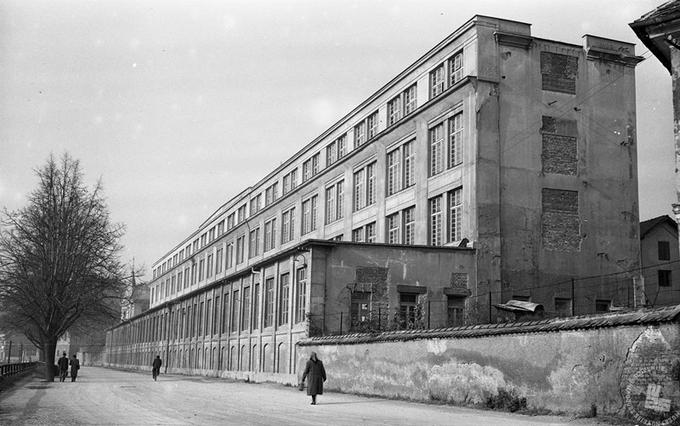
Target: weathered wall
x=651, y=263
x=568, y=183
x=568, y=371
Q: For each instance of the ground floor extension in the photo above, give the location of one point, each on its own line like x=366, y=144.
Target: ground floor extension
x=248, y=325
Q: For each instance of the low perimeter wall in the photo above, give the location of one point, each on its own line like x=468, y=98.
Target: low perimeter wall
x=619, y=364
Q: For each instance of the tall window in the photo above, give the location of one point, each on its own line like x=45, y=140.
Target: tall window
x=664, y=250
x=225, y=312
x=455, y=214
x=256, y=306
x=336, y=150
x=334, y=202
x=271, y=193
x=241, y=213
x=200, y=320
x=372, y=125
x=269, y=235
x=393, y=229
x=254, y=243
x=400, y=168
x=245, y=319
x=290, y=181
x=455, y=310
x=235, y=310
x=370, y=233
x=437, y=149
x=255, y=204
x=310, y=167
x=370, y=184
x=410, y=101
x=220, y=229
x=240, y=243
x=437, y=80
x=230, y=222
x=285, y=297
x=209, y=266
x=436, y=221
x=394, y=110
x=230, y=255
x=186, y=277
x=360, y=134
x=216, y=316
x=449, y=230
x=409, y=224
x=455, y=140
x=664, y=276
x=455, y=68
x=201, y=269
x=269, y=302
x=309, y=208
x=288, y=225
x=301, y=295
x=219, y=258
x=364, y=187
x=393, y=171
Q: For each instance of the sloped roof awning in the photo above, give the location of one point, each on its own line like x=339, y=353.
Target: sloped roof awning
x=520, y=306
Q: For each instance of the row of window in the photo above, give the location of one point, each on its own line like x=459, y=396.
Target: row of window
x=446, y=74
x=237, y=309
x=445, y=151
x=445, y=223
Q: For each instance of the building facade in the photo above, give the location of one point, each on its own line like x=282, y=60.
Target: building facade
x=512, y=154
x=659, y=30
x=660, y=257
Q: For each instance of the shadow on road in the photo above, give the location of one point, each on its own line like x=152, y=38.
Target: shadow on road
x=352, y=402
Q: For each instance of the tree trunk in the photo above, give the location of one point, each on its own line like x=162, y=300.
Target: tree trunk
x=48, y=351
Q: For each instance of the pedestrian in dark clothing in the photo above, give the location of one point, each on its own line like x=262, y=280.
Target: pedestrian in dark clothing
x=75, y=366
x=156, y=366
x=317, y=375
x=63, y=367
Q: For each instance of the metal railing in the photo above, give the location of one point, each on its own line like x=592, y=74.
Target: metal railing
x=12, y=369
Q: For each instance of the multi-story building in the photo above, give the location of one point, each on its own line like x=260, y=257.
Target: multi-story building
x=660, y=257
x=497, y=166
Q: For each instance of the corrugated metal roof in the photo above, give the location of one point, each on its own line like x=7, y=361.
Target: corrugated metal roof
x=638, y=317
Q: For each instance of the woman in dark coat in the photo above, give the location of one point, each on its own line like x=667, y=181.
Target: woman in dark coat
x=317, y=375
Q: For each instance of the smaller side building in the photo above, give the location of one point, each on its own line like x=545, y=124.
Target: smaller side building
x=660, y=258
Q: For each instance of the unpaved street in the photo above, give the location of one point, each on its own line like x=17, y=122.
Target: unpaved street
x=103, y=396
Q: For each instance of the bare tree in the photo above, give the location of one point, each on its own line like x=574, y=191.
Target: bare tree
x=59, y=259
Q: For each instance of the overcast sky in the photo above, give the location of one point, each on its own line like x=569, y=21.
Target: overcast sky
x=180, y=105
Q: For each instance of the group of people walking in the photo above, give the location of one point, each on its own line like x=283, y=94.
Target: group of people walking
x=63, y=363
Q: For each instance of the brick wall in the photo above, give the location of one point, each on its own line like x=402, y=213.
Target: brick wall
x=560, y=220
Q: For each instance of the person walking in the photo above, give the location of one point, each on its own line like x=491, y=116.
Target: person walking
x=317, y=375
x=75, y=366
x=156, y=366
x=63, y=367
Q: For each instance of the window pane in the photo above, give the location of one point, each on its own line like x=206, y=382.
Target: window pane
x=436, y=149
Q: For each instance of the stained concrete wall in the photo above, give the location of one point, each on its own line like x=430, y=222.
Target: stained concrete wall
x=538, y=248
x=568, y=371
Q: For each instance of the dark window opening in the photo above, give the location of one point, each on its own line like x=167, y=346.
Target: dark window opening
x=664, y=250
x=602, y=305
x=664, y=278
x=455, y=311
